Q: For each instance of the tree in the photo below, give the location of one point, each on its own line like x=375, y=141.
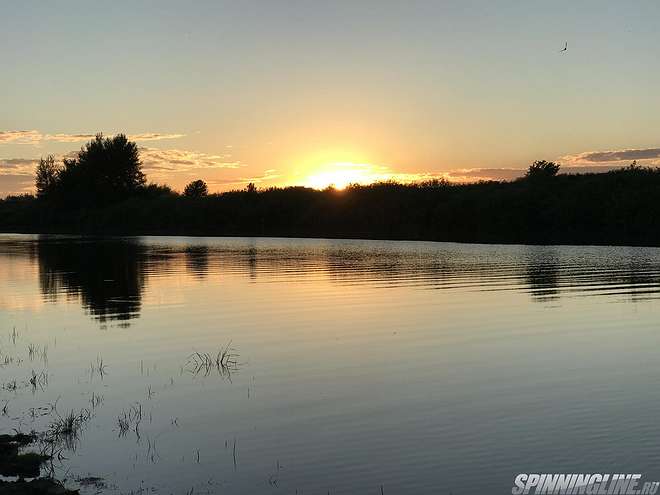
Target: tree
x=541, y=169
x=251, y=188
x=196, y=189
x=113, y=164
x=46, y=175
x=104, y=170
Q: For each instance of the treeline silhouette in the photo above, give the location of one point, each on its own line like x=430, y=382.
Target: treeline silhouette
x=103, y=191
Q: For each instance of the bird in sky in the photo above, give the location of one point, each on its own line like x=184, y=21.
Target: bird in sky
x=565, y=47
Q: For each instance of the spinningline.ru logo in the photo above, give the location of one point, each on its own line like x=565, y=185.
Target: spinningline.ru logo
x=582, y=484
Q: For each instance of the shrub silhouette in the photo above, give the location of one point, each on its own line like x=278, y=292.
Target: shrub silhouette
x=542, y=169
x=158, y=191
x=196, y=189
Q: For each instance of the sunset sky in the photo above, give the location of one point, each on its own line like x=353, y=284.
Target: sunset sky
x=319, y=92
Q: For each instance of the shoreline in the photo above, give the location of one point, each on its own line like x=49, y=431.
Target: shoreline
x=70, y=234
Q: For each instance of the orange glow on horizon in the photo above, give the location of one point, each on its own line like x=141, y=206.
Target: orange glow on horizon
x=341, y=174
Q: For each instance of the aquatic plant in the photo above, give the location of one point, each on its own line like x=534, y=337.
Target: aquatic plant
x=65, y=430
x=96, y=400
x=38, y=380
x=130, y=419
x=98, y=368
x=224, y=361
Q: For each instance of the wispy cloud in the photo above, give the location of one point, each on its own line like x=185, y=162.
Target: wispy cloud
x=20, y=137
x=153, y=159
x=153, y=136
x=35, y=137
x=67, y=138
x=170, y=166
x=16, y=175
x=17, y=166
x=175, y=160
x=612, y=156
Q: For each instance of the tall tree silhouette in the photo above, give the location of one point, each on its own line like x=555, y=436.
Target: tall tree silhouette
x=104, y=170
x=46, y=175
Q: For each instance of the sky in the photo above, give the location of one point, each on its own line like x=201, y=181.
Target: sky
x=316, y=92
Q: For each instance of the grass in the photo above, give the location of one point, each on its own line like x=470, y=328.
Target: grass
x=69, y=424
x=96, y=400
x=224, y=361
x=65, y=430
x=130, y=419
x=98, y=368
x=38, y=380
x=35, y=351
x=6, y=360
x=61, y=434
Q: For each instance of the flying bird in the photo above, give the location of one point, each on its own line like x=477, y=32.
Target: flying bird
x=565, y=47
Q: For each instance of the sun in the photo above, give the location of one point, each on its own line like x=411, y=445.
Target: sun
x=341, y=174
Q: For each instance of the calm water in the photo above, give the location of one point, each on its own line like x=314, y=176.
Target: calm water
x=422, y=367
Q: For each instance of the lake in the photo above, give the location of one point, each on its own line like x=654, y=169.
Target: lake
x=351, y=366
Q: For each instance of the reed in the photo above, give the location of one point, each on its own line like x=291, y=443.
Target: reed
x=130, y=419
x=64, y=431
x=98, y=368
x=224, y=361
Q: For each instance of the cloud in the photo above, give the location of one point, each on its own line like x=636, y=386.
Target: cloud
x=613, y=156
x=175, y=160
x=68, y=138
x=17, y=166
x=20, y=137
x=35, y=137
x=75, y=138
x=153, y=136
x=17, y=174
x=16, y=162
x=153, y=159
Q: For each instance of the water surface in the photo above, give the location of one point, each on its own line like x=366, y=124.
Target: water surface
x=418, y=367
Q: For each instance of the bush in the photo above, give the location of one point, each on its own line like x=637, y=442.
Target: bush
x=542, y=169
x=196, y=189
